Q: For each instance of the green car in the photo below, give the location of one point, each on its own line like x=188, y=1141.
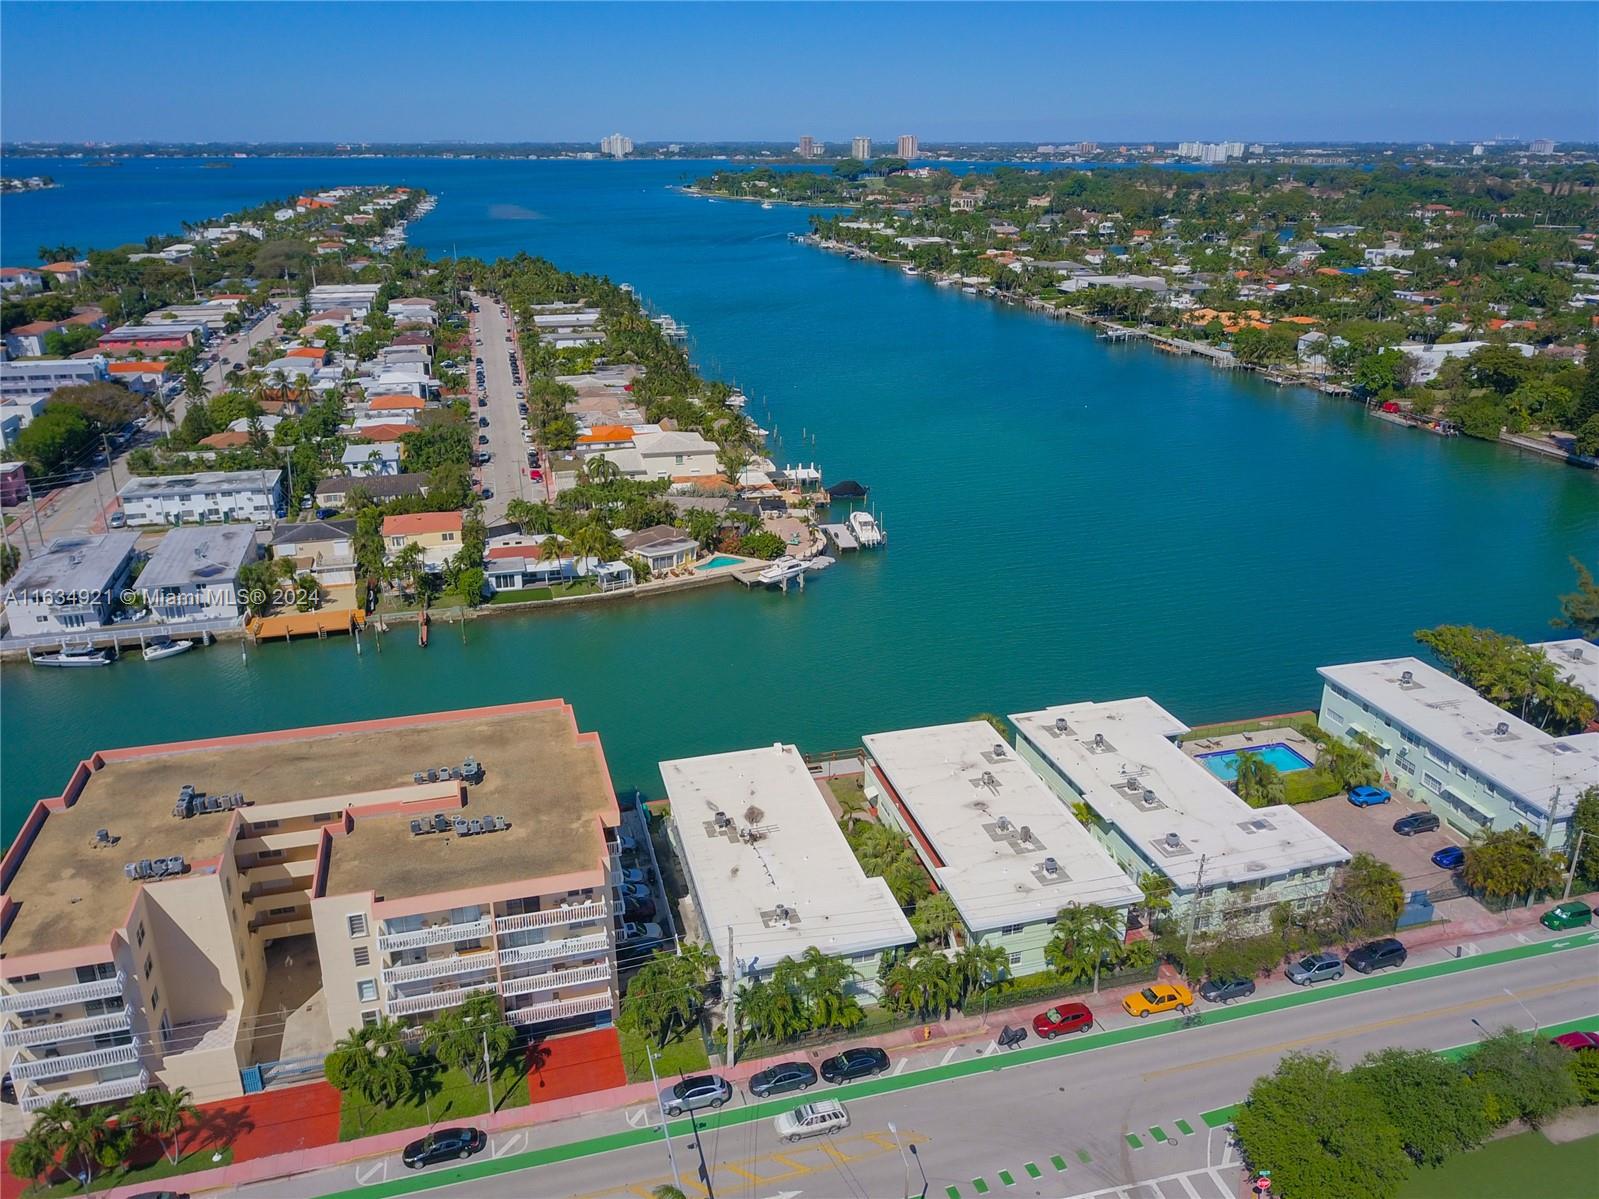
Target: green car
x=1567, y=915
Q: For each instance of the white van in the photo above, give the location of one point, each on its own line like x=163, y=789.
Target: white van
x=822, y=1118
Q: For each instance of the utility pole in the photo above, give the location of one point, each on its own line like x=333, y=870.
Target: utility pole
x=488, y=1069
x=1571, y=867
x=732, y=988
x=1193, y=914
x=655, y=1081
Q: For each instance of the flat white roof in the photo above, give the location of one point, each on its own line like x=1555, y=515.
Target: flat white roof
x=994, y=825
x=1119, y=753
x=208, y=481
x=1576, y=660
x=197, y=556
x=1440, y=709
x=69, y=565
x=796, y=883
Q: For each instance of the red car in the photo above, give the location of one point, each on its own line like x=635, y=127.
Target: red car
x=1578, y=1040
x=1067, y=1017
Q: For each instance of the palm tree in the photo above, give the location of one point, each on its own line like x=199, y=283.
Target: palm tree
x=31, y=1157
x=1085, y=936
x=601, y=469
x=85, y=1137
x=770, y=1010
x=596, y=542
x=549, y=549
x=161, y=408
x=825, y=989
x=163, y=1115
x=470, y=1037
x=923, y=984
x=979, y=967
x=373, y=1062
x=936, y=917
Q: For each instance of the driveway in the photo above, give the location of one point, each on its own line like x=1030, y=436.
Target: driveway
x=1372, y=830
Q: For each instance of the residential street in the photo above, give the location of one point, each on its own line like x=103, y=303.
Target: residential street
x=1132, y=1111
x=506, y=473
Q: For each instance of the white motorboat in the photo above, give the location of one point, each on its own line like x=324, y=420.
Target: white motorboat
x=820, y=562
x=157, y=650
x=910, y=270
x=866, y=529
x=766, y=204
x=781, y=570
x=75, y=655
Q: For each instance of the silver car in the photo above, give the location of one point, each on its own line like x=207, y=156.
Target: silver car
x=696, y=1092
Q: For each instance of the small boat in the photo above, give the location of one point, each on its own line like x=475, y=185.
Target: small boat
x=781, y=570
x=766, y=203
x=866, y=529
x=820, y=562
x=166, y=648
x=75, y=655
x=910, y=270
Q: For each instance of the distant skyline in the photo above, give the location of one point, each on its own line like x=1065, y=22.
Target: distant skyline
x=772, y=72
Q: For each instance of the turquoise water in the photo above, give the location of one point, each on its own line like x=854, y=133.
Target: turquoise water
x=720, y=561
x=1284, y=758
x=1069, y=519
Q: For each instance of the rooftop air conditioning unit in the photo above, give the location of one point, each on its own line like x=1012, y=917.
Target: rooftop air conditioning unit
x=1061, y=726
x=1406, y=678
x=1502, y=729
x=723, y=820
x=1051, y=866
x=999, y=750
x=1173, y=841
x=1099, y=740
x=1133, y=784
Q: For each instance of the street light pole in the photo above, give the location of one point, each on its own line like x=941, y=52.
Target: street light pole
x=655, y=1081
x=903, y=1159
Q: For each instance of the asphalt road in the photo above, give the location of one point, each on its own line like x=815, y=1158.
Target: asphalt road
x=236, y=349
x=506, y=473
x=1112, y=1116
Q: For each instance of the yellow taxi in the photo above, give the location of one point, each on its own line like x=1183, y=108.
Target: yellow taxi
x=1158, y=997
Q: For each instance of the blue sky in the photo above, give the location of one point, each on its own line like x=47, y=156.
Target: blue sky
x=1030, y=72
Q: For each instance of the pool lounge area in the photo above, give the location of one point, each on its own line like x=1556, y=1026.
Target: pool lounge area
x=722, y=562
x=1284, y=758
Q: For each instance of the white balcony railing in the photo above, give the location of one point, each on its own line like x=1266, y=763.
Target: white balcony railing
x=65, y=1030
x=432, y=1001
x=560, y=1009
x=74, y=1063
x=104, y=1092
x=50, y=997
x=440, y=967
x=553, y=980
x=437, y=934
x=543, y=951
x=549, y=917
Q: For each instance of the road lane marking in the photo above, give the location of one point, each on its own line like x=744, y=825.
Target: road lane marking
x=900, y=1067
x=378, y=1170
x=639, y=1117
x=949, y=1054
x=512, y=1144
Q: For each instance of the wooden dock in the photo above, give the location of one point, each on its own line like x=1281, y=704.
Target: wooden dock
x=842, y=536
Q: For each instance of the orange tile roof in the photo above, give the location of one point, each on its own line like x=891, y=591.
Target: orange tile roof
x=395, y=403
x=415, y=524
x=62, y=268
x=226, y=440
x=138, y=368
x=316, y=352
x=383, y=432
x=606, y=433
x=1302, y=320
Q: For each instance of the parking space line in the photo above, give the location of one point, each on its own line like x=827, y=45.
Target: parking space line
x=379, y=1170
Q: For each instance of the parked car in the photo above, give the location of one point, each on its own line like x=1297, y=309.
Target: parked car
x=1317, y=968
x=1571, y=914
x=117, y=519
x=634, y=931
x=1065, y=1017
x=631, y=875
x=483, y=422
x=1417, y=822
x=1450, y=857
x=1225, y=990
x=1368, y=797
x=854, y=1063
x=783, y=1077
x=482, y=439
x=1378, y=955
x=633, y=892
x=695, y=1093
x=820, y=1119
x=487, y=493
x=1158, y=997
x=443, y=1144
x=1575, y=1041
x=640, y=910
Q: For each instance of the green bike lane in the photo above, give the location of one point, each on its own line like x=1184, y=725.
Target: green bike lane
x=888, y=1084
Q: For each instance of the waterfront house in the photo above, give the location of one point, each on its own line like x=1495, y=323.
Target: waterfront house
x=993, y=836
x=146, y=944
x=604, y=437
x=1471, y=762
x=324, y=549
x=65, y=274
x=372, y=459
x=1158, y=810
x=203, y=497
x=335, y=491
x=72, y=585
x=667, y=455
x=437, y=533
x=663, y=547
x=20, y=279
x=193, y=574
x=769, y=871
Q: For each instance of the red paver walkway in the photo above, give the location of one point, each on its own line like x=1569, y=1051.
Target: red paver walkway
x=562, y=1067
x=272, y=1122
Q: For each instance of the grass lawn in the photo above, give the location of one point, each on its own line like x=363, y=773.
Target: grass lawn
x=200, y=1159
x=446, y=1097
x=847, y=789
x=1519, y=1165
x=684, y=1055
x=521, y=595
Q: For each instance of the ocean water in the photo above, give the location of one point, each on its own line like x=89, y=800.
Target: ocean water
x=1067, y=519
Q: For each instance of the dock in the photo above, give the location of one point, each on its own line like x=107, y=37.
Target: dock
x=842, y=536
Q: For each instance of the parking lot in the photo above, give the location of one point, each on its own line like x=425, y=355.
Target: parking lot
x=1371, y=830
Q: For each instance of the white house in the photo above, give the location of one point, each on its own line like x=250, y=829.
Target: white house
x=205, y=497
x=357, y=297
x=1429, y=358
x=663, y=547
x=72, y=585
x=20, y=279
x=412, y=311
x=194, y=573
x=382, y=458
x=668, y=455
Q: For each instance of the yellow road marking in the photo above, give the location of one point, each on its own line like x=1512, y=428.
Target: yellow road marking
x=1374, y=1026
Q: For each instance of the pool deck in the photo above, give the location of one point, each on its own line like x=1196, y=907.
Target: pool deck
x=1285, y=735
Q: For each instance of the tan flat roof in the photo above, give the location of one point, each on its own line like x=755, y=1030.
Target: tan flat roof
x=548, y=780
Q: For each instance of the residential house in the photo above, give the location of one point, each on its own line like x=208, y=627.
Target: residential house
x=663, y=547
x=152, y=339
x=324, y=549
x=372, y=459
x=147, y=376
x=193, y=573
x=437, y=533
x=65, y=274
x=27, y=340
x=334, y=492
x=20, y=279
x=13, y=484
x=203, y=497
x=413, y=311
x=72, y=585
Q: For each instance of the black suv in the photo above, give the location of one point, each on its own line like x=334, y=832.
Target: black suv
x=442, y=1144
x=1417, y=822
x=854, y=1063
x=1225, y=990
x=785, y=1076
x=1377, y=955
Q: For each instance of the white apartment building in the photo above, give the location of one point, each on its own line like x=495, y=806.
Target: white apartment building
x=205, y=497
x=193, y=574
x=907, y=146
x=1576, y=660
x=71, y=586
x=358, y=298
x=38, y=377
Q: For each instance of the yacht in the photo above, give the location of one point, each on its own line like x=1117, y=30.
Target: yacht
x=781, y=570
x=910, y=270
x=166, y=648
x=74, y=655
x=866, y=529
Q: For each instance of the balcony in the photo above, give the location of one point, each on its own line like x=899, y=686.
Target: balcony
x=440, y=967
x=561, y=1009
x=554, y=979
x=65, y=1030
x=437, y=934
x=105, y=1092
x=550, y=917
x=543, y=951
x=54, y=997
x=74, y=1063
x=432, y=1001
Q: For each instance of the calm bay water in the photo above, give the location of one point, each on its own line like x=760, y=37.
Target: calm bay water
x=1068, y=519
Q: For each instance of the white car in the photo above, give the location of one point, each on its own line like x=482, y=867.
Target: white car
x=820, y=1119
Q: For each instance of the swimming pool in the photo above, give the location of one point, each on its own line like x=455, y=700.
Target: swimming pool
x=1224, y=764
x=719, y=562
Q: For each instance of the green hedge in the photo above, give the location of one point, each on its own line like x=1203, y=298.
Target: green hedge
x=1305, y=786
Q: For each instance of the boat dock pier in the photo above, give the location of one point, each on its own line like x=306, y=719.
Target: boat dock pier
x=841, y=536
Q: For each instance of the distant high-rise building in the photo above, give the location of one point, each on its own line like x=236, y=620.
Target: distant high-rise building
x=907, y=147
x=861, y=148
x=1189, y=149
x=617, y=145
x=1476, y=151
x=1542, y=146
x=809, y=148
x=1257, y=148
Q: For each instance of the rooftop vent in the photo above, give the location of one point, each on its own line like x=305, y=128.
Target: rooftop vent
x=1003, y=824
x=999, y=750
x=1407, y=680
x=1171, y=845
x=723, y=820
x=1099, y=745
x=1258, y=825
x=1026, y=834
x=1051, y=866
x=1060, y=728
x=989, y=780
x=1502, y=729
